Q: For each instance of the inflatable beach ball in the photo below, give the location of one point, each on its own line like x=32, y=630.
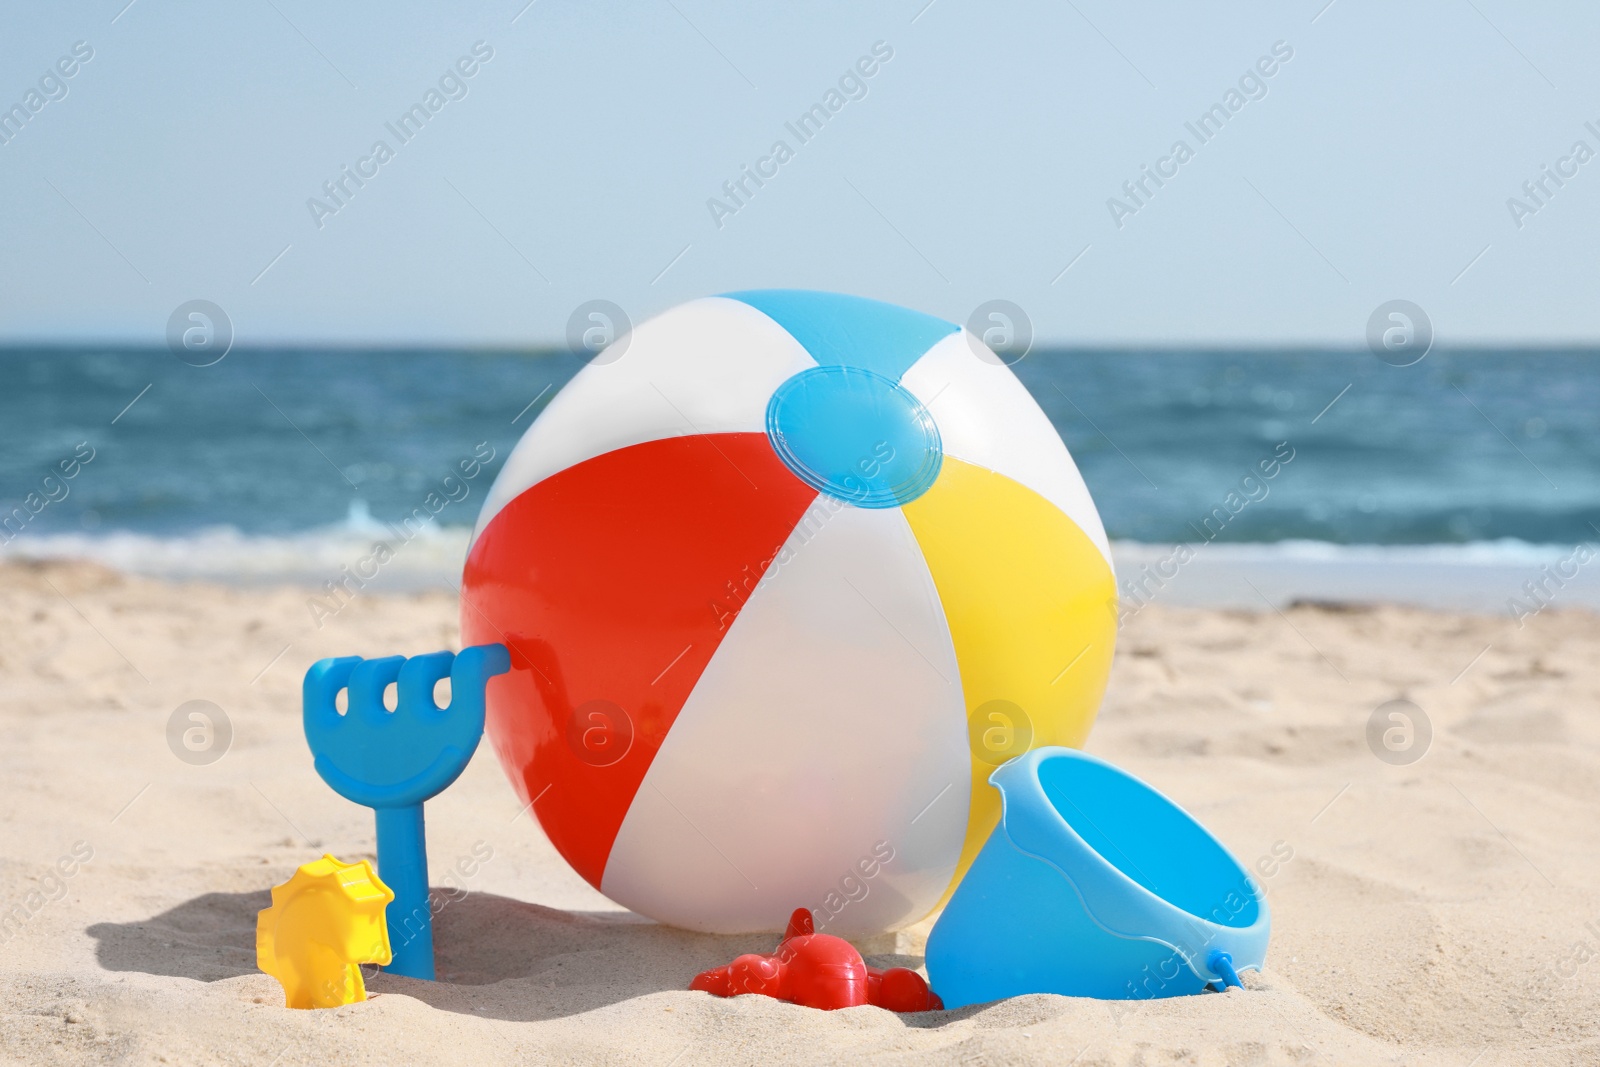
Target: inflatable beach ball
x=783, y=582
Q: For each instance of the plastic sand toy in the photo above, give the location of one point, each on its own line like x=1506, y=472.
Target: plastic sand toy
x=393, y=761
x=819, y=971
x=1095, y=885
x=324, y=922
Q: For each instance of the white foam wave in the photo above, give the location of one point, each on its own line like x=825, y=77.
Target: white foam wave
x=1482, y=576
x=429, y=555
x=1477, y=576
x=1507, y=551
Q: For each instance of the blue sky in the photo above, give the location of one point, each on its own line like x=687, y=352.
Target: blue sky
x=975, y=163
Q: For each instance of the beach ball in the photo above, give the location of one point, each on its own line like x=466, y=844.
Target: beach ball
x=785, y=576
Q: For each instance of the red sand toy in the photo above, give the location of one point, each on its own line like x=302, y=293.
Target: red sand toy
x=819, y=971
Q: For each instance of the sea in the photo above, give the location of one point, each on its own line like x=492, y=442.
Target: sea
x=1468, y=481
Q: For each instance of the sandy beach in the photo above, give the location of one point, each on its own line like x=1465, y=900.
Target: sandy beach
x=1443, y=911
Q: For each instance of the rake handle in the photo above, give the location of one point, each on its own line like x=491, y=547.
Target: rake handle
x=403, y=866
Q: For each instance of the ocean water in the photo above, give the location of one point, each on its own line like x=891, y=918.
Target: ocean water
x=1479, y=465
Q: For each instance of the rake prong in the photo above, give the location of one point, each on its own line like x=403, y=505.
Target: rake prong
x=367, y=683
x=417, y=679
x=320, y=689
x=469, y=677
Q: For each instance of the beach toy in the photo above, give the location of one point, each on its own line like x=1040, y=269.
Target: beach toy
x=325, y=921
x=1095, y=885
x=819, y=971
x=782, y=584
x=393, y=761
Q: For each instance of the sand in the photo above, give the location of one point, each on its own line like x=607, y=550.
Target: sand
x=1441, y=912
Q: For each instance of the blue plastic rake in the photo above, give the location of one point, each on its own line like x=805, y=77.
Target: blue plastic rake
x=393, y=761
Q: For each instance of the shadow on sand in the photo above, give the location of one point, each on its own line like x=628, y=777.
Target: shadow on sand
x=496, y=957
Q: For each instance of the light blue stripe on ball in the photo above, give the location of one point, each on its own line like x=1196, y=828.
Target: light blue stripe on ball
x=850, y=331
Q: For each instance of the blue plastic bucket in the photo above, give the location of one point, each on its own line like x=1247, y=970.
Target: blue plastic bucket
x=1094, y=885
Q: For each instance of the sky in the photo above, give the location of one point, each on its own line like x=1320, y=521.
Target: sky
x=984, y=158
